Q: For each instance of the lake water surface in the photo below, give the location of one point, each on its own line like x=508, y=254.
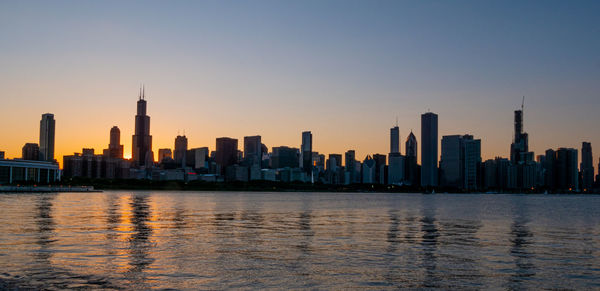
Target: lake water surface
x=221, y=240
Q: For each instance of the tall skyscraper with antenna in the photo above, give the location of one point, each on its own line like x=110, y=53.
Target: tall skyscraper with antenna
x=142, y=140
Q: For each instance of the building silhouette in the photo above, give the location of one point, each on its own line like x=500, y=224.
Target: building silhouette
x=395, y=140
x=429, y=150
x=306, y=152
x=142, y=140
x=226, y=153
x=181, y=147
x=47, y=126
x=587, y=167
x=452, y=162
x=252, y=150
x=284, y=157
x=115, y=148
x=30, y=152
x=472, y=162
x=164, y=155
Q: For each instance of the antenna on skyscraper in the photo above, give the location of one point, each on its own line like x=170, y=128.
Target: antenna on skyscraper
x=523, y=104
x=396, y=121
x=140, y=95
x=143, y=91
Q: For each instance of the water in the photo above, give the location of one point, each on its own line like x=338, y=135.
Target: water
x=204, y=240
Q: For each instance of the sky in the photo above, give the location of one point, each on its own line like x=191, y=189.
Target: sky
x=345, y=70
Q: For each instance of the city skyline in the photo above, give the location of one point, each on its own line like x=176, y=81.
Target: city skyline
x=345, y=75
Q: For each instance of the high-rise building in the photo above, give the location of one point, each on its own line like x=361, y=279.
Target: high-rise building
x=284, y=157
x=411, y=145
x=252, y=150
x=198, y=158
x=587, y=167
x=566, y=172
x=47, y=125
x=31, y=152
x=181, y=146
x=429, y=150
x=352, y=175
x=306, y=152
x=380, y=168
x=395, y=140
x=226, y=153
x=472, y=162
x=334, y=162
x=368, y=170
x=115, y=148
x=412, y=172
x=164, y=154
x=396, y=168
x=142, y=140
x=452, y=161
x=1, y=155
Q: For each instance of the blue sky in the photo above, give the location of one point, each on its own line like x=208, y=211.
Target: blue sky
x=343, y=69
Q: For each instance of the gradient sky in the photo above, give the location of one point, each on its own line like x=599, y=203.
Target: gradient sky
x=342, y=69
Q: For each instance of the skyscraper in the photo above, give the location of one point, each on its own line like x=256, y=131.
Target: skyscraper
x=115, y=148
x=47, y=137
x=472, y=162
x=164, y=154
x=226, y=153
x=429, y=149
x=452, y=160
x=395, y=140
x=181, y=146
x=30, y=151
x=519, y=149
x=411, y=145
x=587, y=167
x=142, y=140
x=411, y=171
x=252, y=150
x=306, y=152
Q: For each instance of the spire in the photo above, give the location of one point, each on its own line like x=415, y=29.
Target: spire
x=523, y=104
x=143, y=91
x=396, y=121
x=140, y=95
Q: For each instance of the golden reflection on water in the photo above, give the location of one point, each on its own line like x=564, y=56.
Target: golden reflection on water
x=231, y=240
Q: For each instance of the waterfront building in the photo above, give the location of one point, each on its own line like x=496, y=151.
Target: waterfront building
x=164, y=155
x=252, y=150
x=47, y=127
x=34, y=171
x=197, y=158
x=396, y=169
x=115, y=148
x=142, y=140
x=30, y=152
x=306, y=152
x=226, y=153
x=412, y=171
x=429, y=149
x=587, y=167
x=472, y=162
x=181, y=147
x=368, y=170
x=380, y=169
x=283, y=157
x=395, y=140
x=452, y=161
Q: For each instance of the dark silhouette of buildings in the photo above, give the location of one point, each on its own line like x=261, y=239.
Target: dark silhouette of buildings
x=31, y=152
x=47, y=126
x=587, y=167
x=283, y=157
x=429, y=150
x=252, y=150
x=306, y=152
x=181, y=147
x=395, y=140
x=164, y=155
x=115, y=148
x=412, y=175
x=226, y=153
x=142, y=140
